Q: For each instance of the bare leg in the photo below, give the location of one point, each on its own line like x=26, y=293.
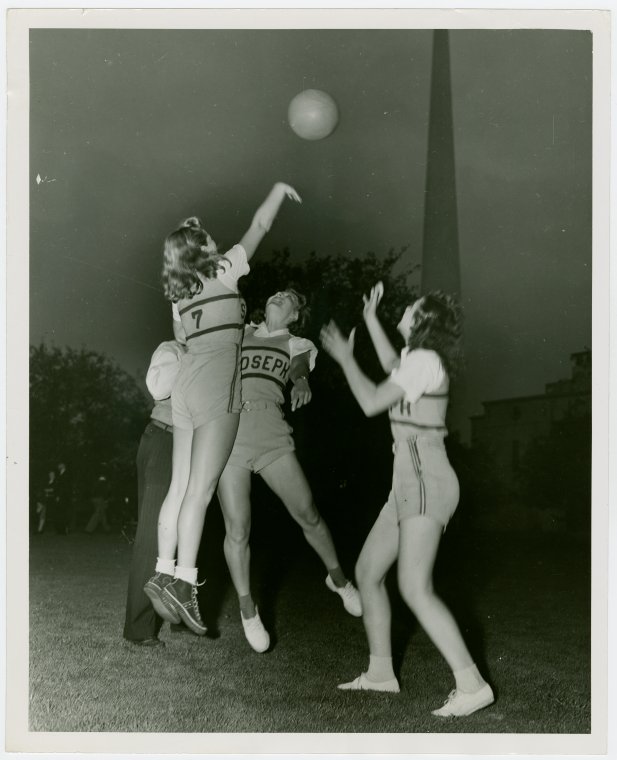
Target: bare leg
x=419, y=542
x=211, y=447
x=234, y=492
x=168, y=516
x=378, y=554
x=286, y=478
x=234, y=495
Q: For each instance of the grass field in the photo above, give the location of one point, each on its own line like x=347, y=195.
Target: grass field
x=524, y=608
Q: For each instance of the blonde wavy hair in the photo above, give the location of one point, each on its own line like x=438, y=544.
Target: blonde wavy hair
x=185, y=258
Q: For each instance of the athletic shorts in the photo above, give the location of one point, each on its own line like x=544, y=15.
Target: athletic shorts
x=423, y=481
x=208, y=386
x=263, y=437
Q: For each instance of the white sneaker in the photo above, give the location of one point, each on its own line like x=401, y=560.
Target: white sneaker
x=460, y=703
x=255, y=633
x=349, y=594
x=362, y=683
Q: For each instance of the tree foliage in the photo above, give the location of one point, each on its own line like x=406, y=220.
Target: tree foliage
x=84, y=410
x=347, y=457
x=334, y=285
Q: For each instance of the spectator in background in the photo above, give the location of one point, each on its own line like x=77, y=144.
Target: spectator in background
x=101, y=493
x=44, y=500
x=63, y=499
x=142, y=624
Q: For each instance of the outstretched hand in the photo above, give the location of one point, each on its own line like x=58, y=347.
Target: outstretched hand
x=335, y=343
x=371, y=302
x=266, y=213
x=289, y=191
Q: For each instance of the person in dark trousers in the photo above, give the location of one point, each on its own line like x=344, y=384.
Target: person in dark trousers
x=101, y=495
x=142, y=624
x=44, y=501
x=63, y=499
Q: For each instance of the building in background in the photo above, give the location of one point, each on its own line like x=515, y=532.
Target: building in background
x=508, y=426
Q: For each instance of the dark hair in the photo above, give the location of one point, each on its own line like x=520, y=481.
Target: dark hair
x=438, y=326
x=304, y=311
x=185, y=258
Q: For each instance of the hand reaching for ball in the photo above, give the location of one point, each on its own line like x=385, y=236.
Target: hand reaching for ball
x=289, y=191
x=335, y=343
x=371, y=302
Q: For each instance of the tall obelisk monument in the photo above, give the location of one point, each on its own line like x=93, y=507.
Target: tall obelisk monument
x=440, y=249
x=440, y=261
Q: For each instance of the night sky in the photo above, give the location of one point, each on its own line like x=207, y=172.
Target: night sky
x=131, y=131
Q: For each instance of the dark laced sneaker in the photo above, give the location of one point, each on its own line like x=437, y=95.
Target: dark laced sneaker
x=182, y=596
x=154, y=590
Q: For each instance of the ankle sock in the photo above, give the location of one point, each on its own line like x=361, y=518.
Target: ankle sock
x=188, y=574
x=380, y=669
x=338, y=576
x=167, y=566
x=469, y=679
x=247, y=606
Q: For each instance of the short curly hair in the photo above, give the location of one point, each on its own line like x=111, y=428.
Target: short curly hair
x=438, y=326
x=304, y=311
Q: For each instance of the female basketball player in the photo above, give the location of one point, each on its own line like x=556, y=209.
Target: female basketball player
x=271, y=356
x=424, y=491
x=208, y=315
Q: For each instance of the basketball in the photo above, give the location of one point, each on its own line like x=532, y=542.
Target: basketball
x=312, y=114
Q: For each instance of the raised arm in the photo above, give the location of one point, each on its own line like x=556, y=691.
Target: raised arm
x=388, y=358
x=265, y=215
x=373, y=399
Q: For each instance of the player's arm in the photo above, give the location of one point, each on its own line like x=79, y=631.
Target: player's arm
x=298, y=374
x=179, y=333
x=388, y=358
x=373, y=399
x=265, y=215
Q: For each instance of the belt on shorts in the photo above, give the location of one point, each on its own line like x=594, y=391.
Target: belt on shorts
x=258, y=405
x=162, y=425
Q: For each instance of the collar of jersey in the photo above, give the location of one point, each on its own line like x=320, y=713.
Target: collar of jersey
x=262, y=331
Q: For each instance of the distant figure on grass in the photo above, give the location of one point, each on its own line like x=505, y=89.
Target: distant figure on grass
x=271, y=356
x=44, y=501
x=424, y=493
x=203, y=287
x=64, y=516
x=142, y=624
x=99, y=498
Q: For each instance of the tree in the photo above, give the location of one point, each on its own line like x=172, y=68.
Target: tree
x=84, y=411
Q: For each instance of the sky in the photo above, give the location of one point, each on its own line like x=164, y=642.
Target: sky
x=133, y=130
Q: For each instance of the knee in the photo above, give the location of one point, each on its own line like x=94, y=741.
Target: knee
x=365, y=575
x=307, y=516
x=237, y=533
x=416, y=594
x=200, y=493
